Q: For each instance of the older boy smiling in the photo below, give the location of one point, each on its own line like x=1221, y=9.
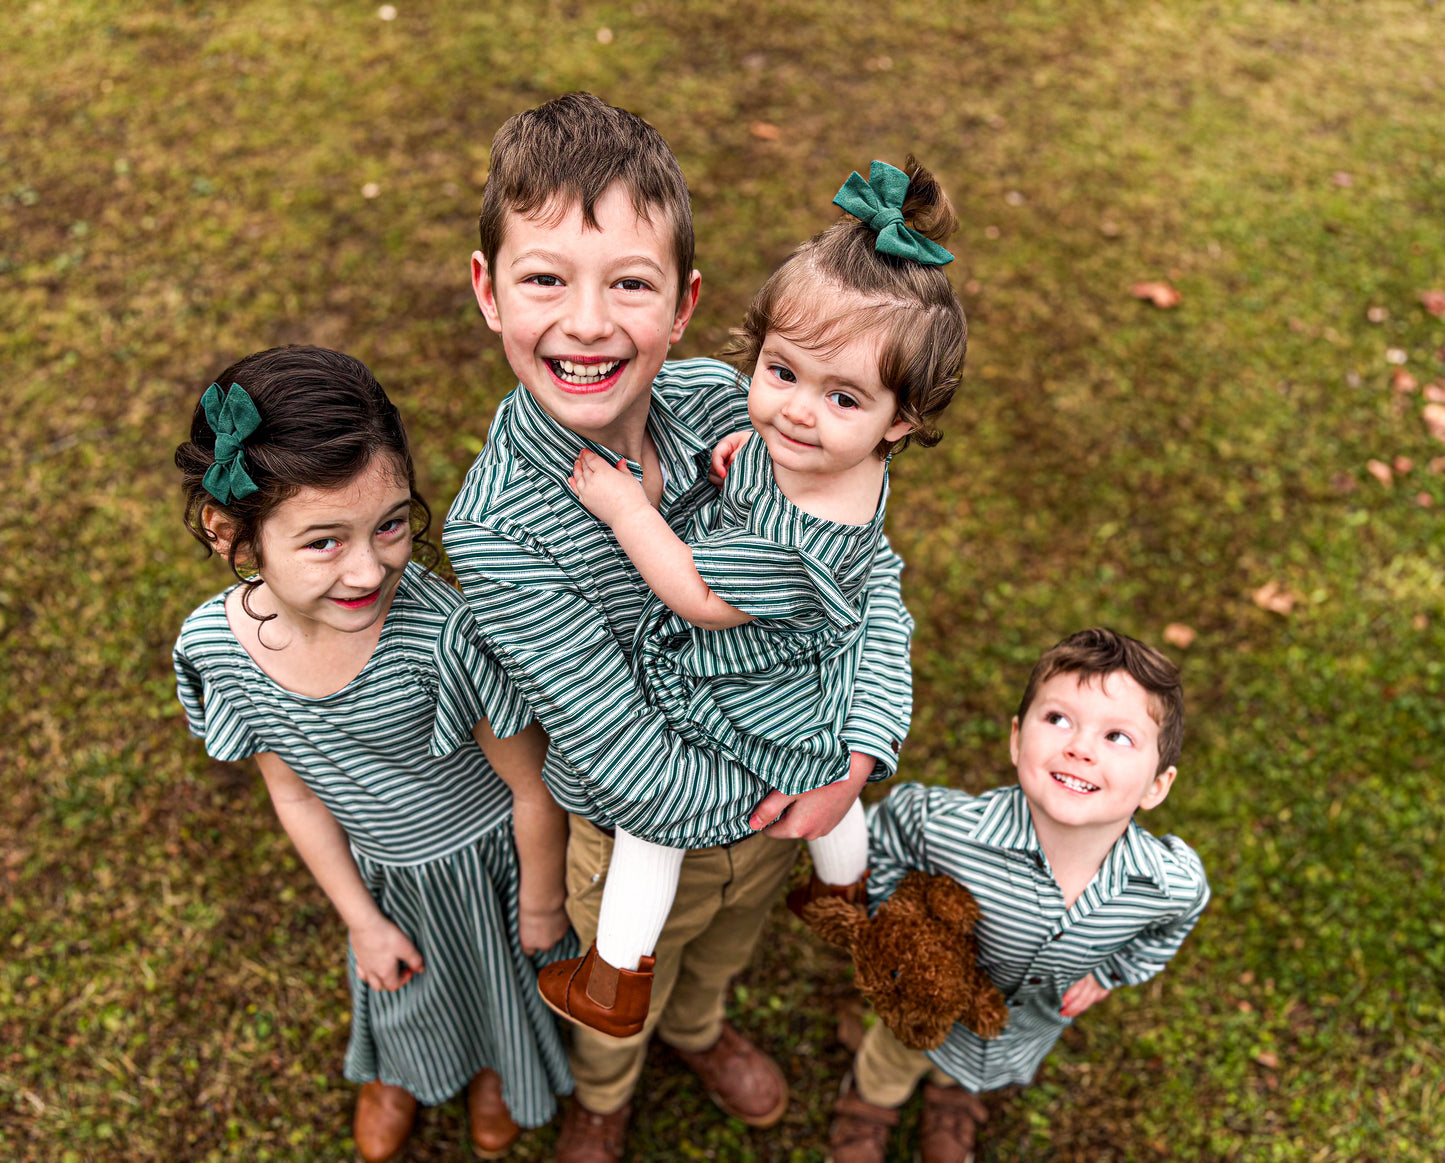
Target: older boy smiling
x=585, y=271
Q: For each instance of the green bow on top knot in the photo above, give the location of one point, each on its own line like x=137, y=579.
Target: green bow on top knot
x=232, y=417
x=878, y=202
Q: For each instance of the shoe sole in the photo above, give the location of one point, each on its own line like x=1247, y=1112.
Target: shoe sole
x=561, y=1013
x=757, y=1122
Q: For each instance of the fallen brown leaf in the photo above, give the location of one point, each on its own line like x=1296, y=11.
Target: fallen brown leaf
x=1160, y=293
x=765, y=131
x=1403, y=381
x=1434, y=417
x=1424, y=500
x=1267, y=1059
x=1435, y=393
x=1402, y=464
x=1343, y=179
x=1180, y=635
x=1381, y=471
x=1437, y=464
x=1377, y=314
x=1434, y=302
x=1274, y=597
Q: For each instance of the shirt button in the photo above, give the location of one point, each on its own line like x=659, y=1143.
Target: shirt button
x=1036, y=981
x=895, y=745
x=1056, y=936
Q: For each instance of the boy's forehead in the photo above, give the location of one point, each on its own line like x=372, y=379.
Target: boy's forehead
x=1121, y=688
x=614, y=210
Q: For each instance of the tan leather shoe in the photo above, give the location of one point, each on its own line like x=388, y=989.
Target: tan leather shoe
x=384, y=1115
x=493, y=1131
x=950, y=1118
x=815, y=890
x=587, y=1137
x=743, y=1081
x=588, y=991
x=859, y=1130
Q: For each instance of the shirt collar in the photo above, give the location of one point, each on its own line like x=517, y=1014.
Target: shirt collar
x=537, y=438
x=1007, y=823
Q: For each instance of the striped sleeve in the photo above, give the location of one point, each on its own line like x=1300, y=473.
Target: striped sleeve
x=882, y=705
x=471, y=687
x=1155, y=945
x=896, y=841
x=773, y=581
x=553, y=644
x=226, y=733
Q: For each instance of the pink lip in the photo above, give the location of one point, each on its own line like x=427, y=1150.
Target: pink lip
x=590, y=389
x=358, y=603
x=795, y=440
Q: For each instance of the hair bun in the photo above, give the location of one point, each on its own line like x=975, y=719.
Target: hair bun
x=926, y=207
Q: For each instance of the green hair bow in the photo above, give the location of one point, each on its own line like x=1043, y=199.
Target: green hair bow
x=878, y=202
x=232, y=417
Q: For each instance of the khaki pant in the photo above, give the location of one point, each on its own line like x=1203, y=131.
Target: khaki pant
x=723, y=897
x=886, y=1071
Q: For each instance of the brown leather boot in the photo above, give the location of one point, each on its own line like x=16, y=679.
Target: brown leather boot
x=493, y=1131
x=815, y=890
x=384, y=1115
x=743, y=1081
x=588, y=991
x=587, y=1137
x=946, y=1130
x=859, y=1131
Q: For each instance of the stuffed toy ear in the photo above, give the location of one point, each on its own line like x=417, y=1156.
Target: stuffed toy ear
x=836, y=921
x=950, y=902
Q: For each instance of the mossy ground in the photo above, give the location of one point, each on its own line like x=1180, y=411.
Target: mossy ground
x=183, y=183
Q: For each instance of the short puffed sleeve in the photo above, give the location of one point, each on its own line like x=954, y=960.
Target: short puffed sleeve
x=209, y=714
x=472, y=686
x=780, y=583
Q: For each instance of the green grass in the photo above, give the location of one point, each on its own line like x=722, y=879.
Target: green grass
x=182, y=183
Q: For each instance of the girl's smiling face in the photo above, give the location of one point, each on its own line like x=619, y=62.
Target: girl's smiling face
x=332, y=558
x=1087, y=752
x=822, y=411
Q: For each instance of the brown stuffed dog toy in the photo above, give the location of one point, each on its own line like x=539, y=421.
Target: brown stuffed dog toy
x=916, y=960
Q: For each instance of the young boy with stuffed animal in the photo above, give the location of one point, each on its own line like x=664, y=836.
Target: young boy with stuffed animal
x=1075, y=898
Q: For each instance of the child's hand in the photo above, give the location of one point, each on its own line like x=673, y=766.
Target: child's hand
x=380, y=950
x=540, y=929
x=607, y=492
x=722, y=455
x=1081, y=995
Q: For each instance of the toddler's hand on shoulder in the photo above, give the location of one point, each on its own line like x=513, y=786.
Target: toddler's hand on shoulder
x=385, y=957
x=606, y=491
x=722, y=455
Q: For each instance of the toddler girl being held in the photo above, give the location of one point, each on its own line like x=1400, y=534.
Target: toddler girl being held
x=319, y=663
x=753, y=641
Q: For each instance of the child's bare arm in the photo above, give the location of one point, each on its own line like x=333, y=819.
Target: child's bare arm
x=385, y=957
x=665, y=562
x=540, y=827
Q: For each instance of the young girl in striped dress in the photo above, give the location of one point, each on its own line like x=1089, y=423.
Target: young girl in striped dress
x=319, y=663
x=856, y=345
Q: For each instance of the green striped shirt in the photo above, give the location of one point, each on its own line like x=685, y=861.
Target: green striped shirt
x=557, y=603
x=1123, y=928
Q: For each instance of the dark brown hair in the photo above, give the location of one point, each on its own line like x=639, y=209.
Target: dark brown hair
x=323, y=418
x=1101, y=652
x=570, y=151
x=813, y=300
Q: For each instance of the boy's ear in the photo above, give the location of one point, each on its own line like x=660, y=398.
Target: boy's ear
x=484, y=291
x=685, y=306
x=1013, y=741
x=1159, y=789
x=219, y=527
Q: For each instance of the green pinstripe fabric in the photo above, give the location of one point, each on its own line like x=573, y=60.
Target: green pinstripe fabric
x=1124, y=927
x=431, y=836
x=557, y=605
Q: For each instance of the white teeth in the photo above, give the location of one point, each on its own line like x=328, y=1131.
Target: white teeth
x=1070, y=782
x=584, y=373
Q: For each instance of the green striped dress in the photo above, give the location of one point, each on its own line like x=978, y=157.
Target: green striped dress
x=773, y=693
x=1123, y=928
x=556, y=604
x=432, y=837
